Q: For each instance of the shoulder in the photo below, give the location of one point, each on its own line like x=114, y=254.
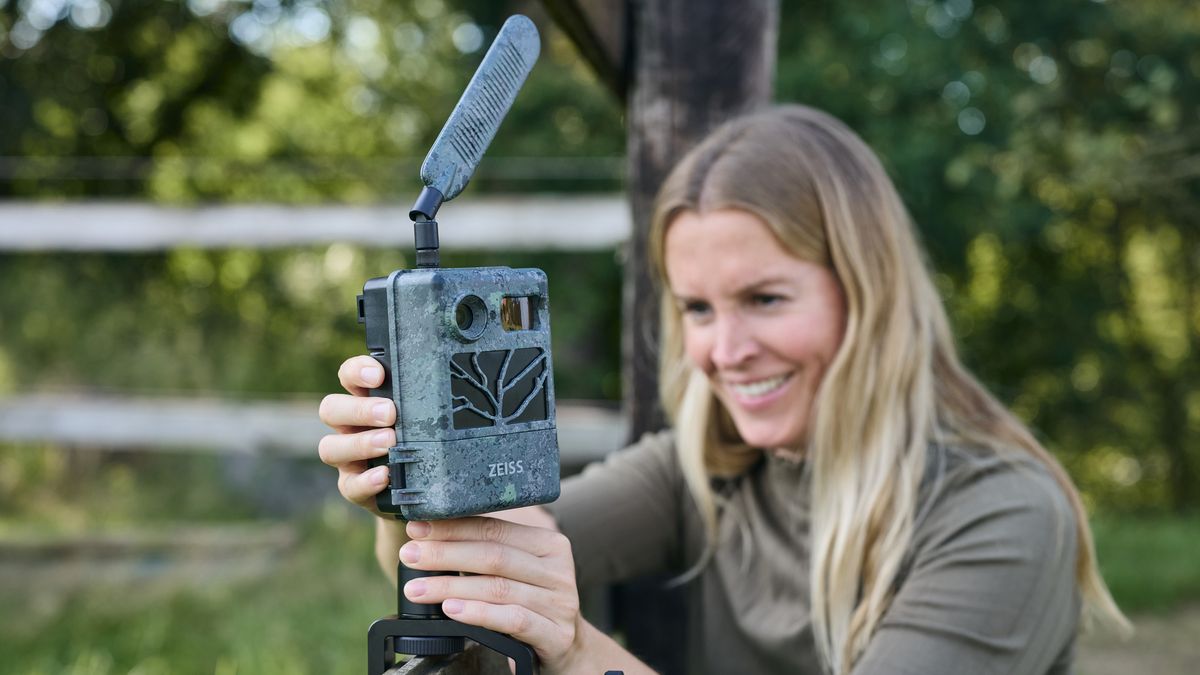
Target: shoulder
x=988, y=584
x=622, y=514
x=1005, y=504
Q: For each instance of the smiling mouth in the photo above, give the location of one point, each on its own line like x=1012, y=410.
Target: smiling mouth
x=759, y=388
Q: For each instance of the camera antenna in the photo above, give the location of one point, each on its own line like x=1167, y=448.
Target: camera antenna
x=472, y=125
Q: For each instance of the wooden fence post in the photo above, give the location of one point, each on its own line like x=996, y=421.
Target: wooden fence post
x=694, y=65
x=682, y=67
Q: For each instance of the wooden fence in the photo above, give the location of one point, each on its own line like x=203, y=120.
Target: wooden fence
x=559, y=222
x=258, y=428
x=586, y=431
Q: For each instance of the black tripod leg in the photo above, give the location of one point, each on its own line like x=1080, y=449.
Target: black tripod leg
x=380, y=655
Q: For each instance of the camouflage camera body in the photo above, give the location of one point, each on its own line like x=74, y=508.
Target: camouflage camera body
x=466, y=354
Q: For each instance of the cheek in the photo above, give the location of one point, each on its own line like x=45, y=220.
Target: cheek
x=810, y=342
x=697, y=346
x=835, y=331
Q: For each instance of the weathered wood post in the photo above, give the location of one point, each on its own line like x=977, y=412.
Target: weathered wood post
x=682, y=67
x=694, y=65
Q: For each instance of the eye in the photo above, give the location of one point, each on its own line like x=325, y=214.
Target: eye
x=765, y=299
x=695, y=309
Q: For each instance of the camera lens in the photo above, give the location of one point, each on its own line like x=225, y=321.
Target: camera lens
x=462, y=316
x=469, y=319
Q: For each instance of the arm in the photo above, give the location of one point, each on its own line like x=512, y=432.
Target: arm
x=624, y=515
x=992, y=587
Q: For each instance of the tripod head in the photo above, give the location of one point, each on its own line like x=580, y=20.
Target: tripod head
x=422, y=630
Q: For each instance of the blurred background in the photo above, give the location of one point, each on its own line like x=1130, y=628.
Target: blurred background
x=192, y=193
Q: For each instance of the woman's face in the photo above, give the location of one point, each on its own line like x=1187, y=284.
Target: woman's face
x=762, y=324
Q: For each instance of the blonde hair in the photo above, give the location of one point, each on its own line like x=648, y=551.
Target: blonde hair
x=895, y=386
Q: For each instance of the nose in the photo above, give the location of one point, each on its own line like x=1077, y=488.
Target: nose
x=733, y=343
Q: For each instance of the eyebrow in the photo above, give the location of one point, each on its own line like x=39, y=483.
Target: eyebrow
x=748, y=288
x=765, y=281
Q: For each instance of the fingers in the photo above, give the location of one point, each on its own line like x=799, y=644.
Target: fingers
x=493, y=590
x=357, y=419
x=536, y=540
x=546, y=636
x=360, y=373
x=338, y=449
x=361, y=487
x=533, y=516
x=530, y=614
x=521, y=579
x=351, y=413
x=491, y=559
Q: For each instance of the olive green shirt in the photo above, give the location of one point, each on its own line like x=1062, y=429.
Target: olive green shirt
x=987, y=586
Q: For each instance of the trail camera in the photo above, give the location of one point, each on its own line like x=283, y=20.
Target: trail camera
x=466, y=352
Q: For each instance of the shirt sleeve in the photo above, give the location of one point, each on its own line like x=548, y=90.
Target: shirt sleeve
x=991, y=587
x=622, y=515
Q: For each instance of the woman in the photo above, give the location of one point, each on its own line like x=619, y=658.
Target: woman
x=838, y=492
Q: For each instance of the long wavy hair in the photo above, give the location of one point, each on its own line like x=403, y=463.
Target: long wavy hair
x=894, y=387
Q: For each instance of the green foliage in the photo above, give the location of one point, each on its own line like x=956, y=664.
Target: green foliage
x=1149, y=563
x=308, y=101
x=1044, y=151
x=254, y=324
x=1047, y=152
x=310, y=616
x=45, y=488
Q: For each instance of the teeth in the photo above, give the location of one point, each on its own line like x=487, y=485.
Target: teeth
x=755, y=389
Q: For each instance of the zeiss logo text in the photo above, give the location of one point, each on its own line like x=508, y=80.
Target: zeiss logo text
x=505, y=468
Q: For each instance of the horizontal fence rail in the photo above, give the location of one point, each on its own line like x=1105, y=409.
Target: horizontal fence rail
x=380, y=171
x=142, y=560
x=586, y=431
x=577, y=223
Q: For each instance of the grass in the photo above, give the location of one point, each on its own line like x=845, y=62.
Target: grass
x=309, y=617
x=312, y=614
x=1151, y=564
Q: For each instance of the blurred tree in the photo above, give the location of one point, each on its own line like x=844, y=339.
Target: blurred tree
x=300, y=101
x=1049, y=154
x=305, y=101
x=1048, y=151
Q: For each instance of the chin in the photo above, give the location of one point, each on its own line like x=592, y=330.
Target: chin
x=782, y=425
x=769, y=438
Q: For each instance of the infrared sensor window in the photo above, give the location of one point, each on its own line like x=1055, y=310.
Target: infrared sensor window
x=518, y=313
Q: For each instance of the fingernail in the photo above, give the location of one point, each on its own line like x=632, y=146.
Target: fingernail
x=410, y=552
x=379, y=475
x=382, y=439
x=370, y=374
x=415, y=588
x=418, y=529
x=452, y=606
x=381, y=412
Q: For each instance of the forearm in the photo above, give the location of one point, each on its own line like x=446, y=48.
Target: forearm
x=389, y=537
x=597, y=653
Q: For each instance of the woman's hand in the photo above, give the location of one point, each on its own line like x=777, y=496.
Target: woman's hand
x=523, y=582
x=364, y=431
